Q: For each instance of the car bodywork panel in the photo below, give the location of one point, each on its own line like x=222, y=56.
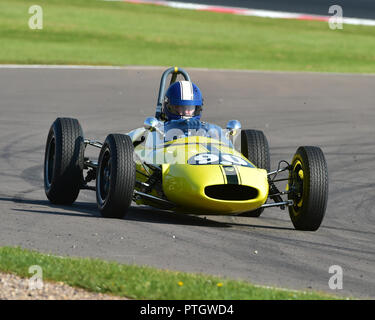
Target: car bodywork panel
x=199, y=174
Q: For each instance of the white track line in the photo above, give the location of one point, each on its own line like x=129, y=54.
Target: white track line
x=147, y=68
x=249, y=12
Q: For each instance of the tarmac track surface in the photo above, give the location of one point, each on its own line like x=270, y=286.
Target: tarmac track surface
x=335, y=112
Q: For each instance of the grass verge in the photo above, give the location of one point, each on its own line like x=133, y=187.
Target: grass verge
x=140, y=282
x=114, y=33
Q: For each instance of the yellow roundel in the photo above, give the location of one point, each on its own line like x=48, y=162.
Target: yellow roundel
x=175, y=69
x=300, y=173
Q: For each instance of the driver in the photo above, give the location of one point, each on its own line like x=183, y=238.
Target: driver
x=183, y=100
x=182, y=110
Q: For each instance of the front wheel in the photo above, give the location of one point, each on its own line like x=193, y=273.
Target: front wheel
x=115, y=177
x=308, y=188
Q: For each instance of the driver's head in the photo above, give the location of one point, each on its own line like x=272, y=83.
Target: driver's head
x=183, y=100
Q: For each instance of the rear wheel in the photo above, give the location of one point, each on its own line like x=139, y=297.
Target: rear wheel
x=115, y=178
x=63, y=161
x=254, y=146
x=308, y=188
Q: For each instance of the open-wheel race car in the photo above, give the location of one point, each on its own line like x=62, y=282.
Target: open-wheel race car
x=186, y=166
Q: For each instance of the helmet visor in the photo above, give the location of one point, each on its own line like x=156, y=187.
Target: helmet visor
x=184, y=111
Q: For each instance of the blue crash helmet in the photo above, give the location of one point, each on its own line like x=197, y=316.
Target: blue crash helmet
x=183, y=100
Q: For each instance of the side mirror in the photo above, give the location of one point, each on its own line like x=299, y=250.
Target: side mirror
x=153, y=124
x=150, y=123
x=233, y=126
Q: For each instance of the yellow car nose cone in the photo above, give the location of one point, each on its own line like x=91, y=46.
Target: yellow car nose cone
x=210, y=189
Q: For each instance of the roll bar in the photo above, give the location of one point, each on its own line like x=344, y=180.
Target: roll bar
x=174, y=71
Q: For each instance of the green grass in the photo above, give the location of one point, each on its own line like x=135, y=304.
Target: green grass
x=112, y=33
x=139, y=282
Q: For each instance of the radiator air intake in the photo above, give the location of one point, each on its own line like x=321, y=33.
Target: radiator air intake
x=231, y=192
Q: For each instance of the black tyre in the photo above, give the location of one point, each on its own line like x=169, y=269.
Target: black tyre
x=254, y=146
x=63, y=161
x=308, y=187
x=115, y=177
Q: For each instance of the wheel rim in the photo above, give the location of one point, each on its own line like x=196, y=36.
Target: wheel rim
x=50, y=162
x=104, y=178
x=296, y=186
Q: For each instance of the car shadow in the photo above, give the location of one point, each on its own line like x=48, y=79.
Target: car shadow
x=135, y=213
x=78, y=209
x=258, y=226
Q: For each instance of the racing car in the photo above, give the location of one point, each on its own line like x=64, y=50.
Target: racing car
x=194, y=173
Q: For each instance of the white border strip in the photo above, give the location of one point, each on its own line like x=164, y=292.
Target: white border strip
x=58, y=66
x=146, y=68
x=250, y=12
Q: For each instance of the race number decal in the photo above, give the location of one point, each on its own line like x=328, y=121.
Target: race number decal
x=221, y=158
x=230, y=159
x=205, y=158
